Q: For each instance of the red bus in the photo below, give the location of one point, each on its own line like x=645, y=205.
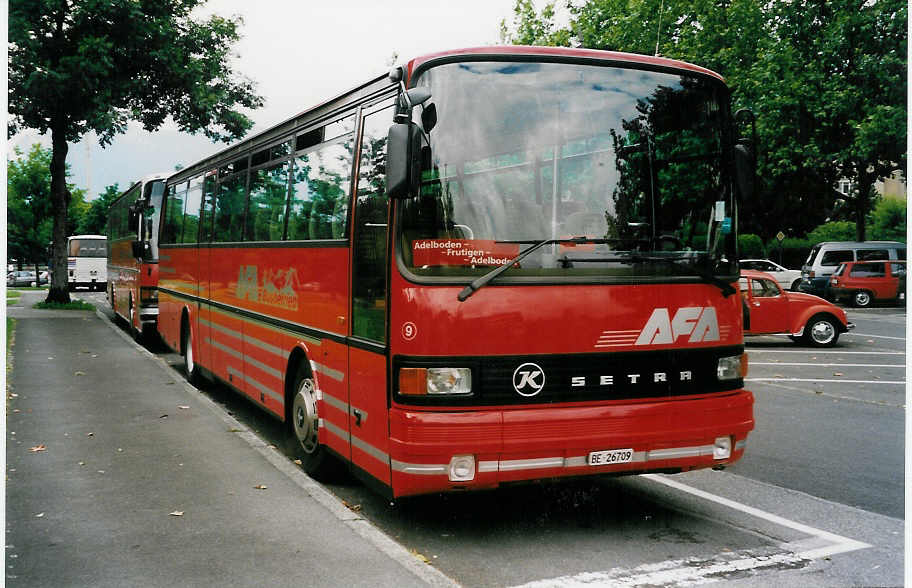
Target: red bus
x=493, y=265
x=132, y=230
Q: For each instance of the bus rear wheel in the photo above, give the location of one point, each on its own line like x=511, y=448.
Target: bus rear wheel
x=303, y=426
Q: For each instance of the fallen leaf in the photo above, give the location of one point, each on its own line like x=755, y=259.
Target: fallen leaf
x=298, y=462
x=421, y=557
x=260, y=487
x=90, y=435
x=39, y=515
x=82, y=463
x=837, y=373
x=183, y=407
x=78, y=373
x=164, y=416
x=176, y=513
x=38, y=448
x=272, y=447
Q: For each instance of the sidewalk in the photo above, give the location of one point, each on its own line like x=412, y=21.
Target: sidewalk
x=121, y=474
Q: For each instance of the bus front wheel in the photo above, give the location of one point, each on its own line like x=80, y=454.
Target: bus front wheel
x=303, y=429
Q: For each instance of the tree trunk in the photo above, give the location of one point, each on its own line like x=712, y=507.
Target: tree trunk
x=60, y=200
x=863, y=203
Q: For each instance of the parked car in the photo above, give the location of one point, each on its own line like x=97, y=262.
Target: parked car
x=803, y=317
x=786, y=278
x=825, y=257
x=863, y=282
x=21, y=278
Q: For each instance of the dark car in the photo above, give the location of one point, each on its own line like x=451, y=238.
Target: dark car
x=864, y=282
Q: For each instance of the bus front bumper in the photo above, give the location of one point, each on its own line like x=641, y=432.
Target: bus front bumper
x=437, y=451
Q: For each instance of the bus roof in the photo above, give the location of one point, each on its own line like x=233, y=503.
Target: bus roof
x=528, y=50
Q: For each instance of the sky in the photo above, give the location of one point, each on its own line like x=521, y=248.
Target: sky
x=300, y=53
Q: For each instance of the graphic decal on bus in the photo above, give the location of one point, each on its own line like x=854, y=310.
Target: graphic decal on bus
x=437, y=252
x=277, y=289
x=699, y=322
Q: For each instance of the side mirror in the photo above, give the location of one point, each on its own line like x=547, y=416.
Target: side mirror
x=139, y=248
x=745, y=154
x=404, y=145
x=745, y=170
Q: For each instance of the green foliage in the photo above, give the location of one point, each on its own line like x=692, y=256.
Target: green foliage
x=889, y=220
x=94, y=220
x=826, y=79
x=750, y=246
x=28, y=191
x=833, y=231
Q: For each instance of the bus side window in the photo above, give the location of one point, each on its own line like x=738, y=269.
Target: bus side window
x=266, y=203
x=321, y=184
x=190, y=233
x=370, y=231
x=174, y=213
x=229, y=209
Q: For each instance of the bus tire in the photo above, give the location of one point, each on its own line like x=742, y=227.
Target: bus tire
x=190, y=367
x=303, y=421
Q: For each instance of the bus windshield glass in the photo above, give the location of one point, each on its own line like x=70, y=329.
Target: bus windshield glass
x=155, y=192
x=87, y=248
x=623, y=170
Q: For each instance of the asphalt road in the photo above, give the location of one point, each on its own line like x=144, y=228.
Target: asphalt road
x=830, y=422
x=817, y=501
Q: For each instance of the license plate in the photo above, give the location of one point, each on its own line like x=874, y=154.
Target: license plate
x=611, y=456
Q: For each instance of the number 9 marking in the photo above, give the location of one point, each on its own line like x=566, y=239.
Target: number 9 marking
x=409, y=331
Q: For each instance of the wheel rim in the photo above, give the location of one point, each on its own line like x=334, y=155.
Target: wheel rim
x=304, y=416
x=862, y=298
x=822, y=332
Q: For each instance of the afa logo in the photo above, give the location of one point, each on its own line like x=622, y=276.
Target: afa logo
x=698, y=323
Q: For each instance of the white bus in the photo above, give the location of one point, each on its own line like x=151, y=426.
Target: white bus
x=87, y=262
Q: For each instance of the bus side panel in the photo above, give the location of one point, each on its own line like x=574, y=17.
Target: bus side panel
x=265, y=360
x=368, y=419
x=177, y=273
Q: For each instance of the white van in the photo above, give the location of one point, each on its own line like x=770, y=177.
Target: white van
x=825, y=258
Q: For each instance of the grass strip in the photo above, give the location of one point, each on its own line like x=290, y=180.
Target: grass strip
x=72, y=305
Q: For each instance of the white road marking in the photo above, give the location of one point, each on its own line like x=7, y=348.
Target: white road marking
x=903, y=382
x=753, y=350
x=876, y=336
x=877, y=365
x=691, y=571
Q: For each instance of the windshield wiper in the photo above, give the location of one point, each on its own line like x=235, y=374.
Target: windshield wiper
x=727, y=289
x=484, y=279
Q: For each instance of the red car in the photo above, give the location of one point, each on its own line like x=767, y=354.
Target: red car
x=866, y=281
x=800, y=316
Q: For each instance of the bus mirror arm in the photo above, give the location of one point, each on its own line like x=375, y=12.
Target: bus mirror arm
x=138, y=248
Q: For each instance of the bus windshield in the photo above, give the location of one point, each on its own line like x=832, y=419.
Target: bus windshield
x=87, y=248
x=623, y=170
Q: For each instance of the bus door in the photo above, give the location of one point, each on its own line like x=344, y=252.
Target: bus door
x=368, y=418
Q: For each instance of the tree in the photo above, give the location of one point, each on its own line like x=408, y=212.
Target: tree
x=826, y=78
x=889, y=220
x=95, y=65
x=95, y=219
x=28, y=189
